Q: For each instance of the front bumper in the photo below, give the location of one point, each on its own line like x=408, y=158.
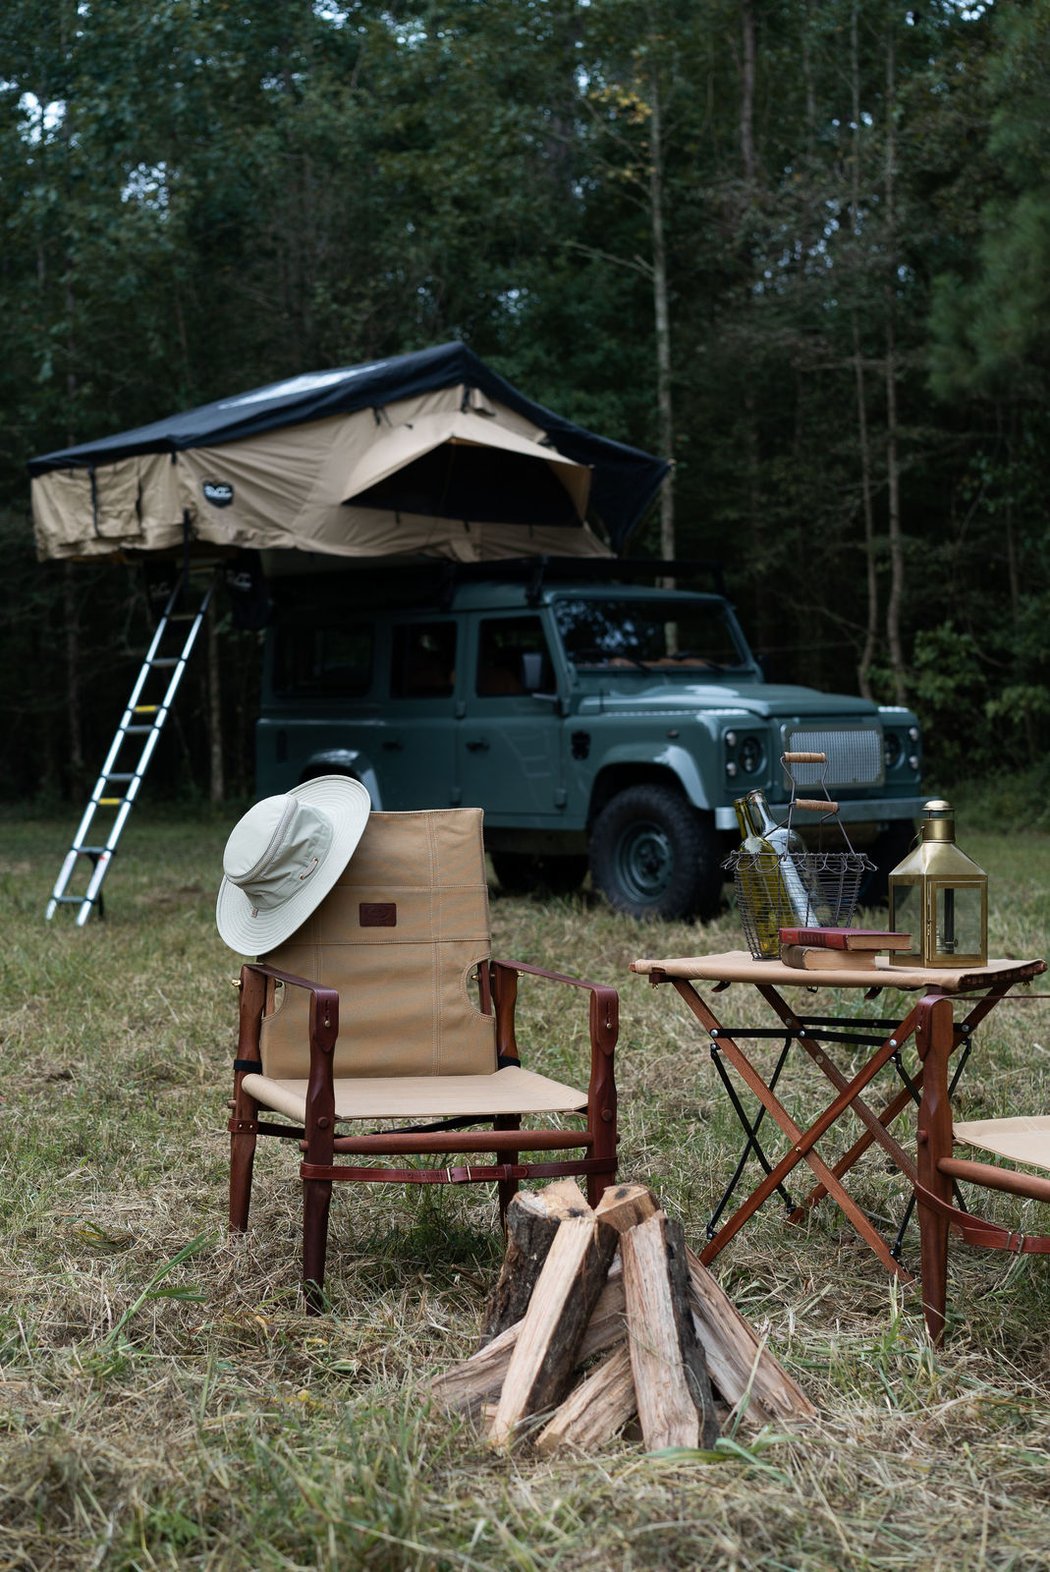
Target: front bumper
x=870, y=810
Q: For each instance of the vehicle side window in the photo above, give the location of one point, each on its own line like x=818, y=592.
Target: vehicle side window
x=513, y=657
x=424, y=660
x=331, y=658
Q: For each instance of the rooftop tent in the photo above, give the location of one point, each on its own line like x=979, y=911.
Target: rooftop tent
x=429, y=453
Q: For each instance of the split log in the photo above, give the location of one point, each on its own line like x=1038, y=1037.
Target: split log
x=533, y=1217
x=675, y=1404
x=468, y=1386
x=552, y=1329
x=624, y=1205
x=595, y=1410
x=739, y=1364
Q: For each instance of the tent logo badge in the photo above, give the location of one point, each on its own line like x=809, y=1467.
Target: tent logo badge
x=218, y=492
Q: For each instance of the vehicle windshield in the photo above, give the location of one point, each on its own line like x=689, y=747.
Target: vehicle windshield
x=645, y=635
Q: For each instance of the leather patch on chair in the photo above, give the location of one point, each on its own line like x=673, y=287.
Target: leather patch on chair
x=378, y=914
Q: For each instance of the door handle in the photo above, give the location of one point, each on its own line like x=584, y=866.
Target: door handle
x=477, y=745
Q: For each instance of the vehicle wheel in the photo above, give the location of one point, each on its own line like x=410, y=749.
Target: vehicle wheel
x=519, y=873
x=652, y=855
x=886, y=852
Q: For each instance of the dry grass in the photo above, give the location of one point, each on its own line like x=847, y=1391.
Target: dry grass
x=164, y=1402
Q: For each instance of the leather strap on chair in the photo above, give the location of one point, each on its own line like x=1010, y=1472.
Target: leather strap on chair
x=978, y=1231
x=264, y=1127
x=463, y=1173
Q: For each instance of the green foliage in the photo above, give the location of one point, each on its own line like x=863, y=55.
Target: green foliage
x=197, y=198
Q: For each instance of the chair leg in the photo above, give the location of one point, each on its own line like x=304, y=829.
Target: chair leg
x=242, y=1162
x=935, y=1039
x=507, y=1188
x=597, y=1184
x=933, y=1247
x=317, y=1198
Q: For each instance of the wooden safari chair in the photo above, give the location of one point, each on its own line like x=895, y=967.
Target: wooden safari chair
x=1023, y=1140
x=385, y=1005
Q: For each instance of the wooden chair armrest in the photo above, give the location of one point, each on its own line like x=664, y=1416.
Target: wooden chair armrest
x=604, y=1023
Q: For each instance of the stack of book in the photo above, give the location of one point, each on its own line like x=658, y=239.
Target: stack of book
x=838, y=949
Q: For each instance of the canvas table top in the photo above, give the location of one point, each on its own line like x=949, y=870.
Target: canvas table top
x=739, y=966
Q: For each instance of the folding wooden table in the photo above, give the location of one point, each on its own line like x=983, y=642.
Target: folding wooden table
x=977, y=991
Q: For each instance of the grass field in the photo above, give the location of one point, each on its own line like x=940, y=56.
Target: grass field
x=165, y=1403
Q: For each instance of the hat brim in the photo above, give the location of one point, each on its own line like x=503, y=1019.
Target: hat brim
x=348, y=805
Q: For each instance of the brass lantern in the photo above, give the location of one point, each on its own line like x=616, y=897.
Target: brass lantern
x=939, y=896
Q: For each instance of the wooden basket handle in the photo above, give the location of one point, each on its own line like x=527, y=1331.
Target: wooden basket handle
x=805, y=758
x=816, y=804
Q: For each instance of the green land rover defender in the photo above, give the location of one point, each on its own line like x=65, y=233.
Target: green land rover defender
x=600, y=725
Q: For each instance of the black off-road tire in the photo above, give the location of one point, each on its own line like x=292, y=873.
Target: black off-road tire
x=653, y=855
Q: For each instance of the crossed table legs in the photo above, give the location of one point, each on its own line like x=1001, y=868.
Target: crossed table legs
x=811, y=1033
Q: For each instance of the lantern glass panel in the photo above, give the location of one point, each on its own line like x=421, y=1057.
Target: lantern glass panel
x=906, y=917
x=957, y=918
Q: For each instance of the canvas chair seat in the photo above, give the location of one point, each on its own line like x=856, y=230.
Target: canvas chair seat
x=509, y=1091
x=1021, y=1140
x=386, y=1004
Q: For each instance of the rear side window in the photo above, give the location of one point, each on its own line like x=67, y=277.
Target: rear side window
x=513, y=657
x=424, y=660
x=335, y=658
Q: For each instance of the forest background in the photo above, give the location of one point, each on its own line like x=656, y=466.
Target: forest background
x=802, y=247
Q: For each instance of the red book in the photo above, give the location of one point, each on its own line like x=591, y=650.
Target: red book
x=847, y=938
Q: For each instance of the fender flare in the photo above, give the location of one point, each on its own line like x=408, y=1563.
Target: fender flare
x=346, y=761
x=678, y=761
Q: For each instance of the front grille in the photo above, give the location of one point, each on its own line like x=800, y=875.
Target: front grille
x=855, y=756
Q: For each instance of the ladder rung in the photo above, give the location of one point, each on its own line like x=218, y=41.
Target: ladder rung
x=145, y=709
x=136, y=731
x=118, y=776
x=90, y=851
x=72, y=900
x=165, y=660
x=109, y=802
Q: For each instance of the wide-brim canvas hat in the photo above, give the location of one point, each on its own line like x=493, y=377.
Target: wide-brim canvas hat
x=283, y=857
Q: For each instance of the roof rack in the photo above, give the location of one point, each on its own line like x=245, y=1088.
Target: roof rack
x=536, y=572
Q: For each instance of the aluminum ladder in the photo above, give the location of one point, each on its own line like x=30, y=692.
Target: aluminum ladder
x=118, y=783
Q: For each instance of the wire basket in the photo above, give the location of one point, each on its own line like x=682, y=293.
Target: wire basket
x=794, y=890
x=798, y=889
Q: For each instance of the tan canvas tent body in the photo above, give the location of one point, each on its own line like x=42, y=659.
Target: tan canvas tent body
x=429, y=453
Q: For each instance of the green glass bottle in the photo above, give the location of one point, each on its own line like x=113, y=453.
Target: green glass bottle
x=756, y=866
x=771, y=883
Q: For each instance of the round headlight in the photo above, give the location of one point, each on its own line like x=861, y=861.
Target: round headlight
x=891, y=745
x=750, y=755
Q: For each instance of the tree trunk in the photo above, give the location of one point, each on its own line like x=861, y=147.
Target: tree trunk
x=662, y=317
x=216, y=780
x=77, y=782
x=896, y=542
x=747, y=92
x=871, y=631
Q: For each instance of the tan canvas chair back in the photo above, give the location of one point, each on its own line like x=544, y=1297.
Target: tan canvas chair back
x=400, y=937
